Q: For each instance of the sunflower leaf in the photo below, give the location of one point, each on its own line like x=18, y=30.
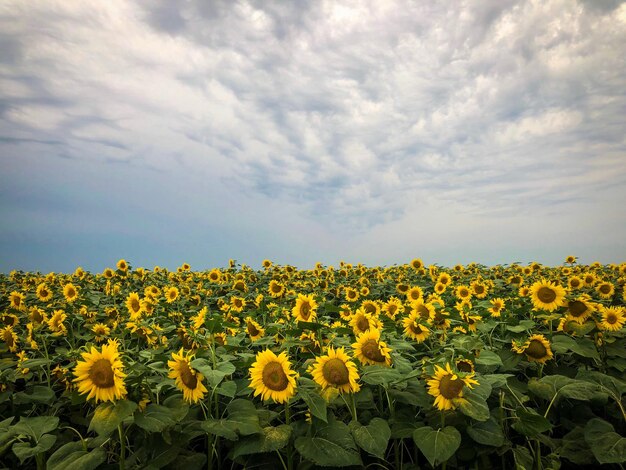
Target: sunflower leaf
x=488, y=433
x=243, y=415
x=437, y=445
x=373, y=438
x=316, y=404
x=24, y=450
x=474, y=405
x=271, y=439
x=607, y=446
x=108, y=416
x=72, y=456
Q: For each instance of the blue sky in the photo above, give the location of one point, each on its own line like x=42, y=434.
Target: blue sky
x=168, y=132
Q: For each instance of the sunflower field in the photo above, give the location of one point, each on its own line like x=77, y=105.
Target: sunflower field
x=401, y=367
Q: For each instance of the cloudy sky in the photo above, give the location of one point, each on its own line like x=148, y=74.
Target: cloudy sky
x=368, y=131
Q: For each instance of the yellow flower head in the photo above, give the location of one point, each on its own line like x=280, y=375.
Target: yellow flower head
x=188, y=380
x=336, y=370
x=100, y=374
x=271, y=376
x=447, y=387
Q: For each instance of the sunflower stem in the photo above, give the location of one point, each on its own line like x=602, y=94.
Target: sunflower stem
x=289, y=449
x=120, y=431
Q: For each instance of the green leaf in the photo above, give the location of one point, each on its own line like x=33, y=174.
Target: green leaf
x=227, y=389
x=326, y=453
x=108, y=416
x=402, y=426
x=377, y=375
x=40, y=394
x=488, y=433
x=495, y=380
x=244, y=416
x=437, y=445
x=212, y=376
x=155, y=418
x=35, y=363
x=474, y=406
x=372, y=438
x=607, y=446
x=608, y=384
x=316, y=404
x=270, y=439
x=23, y=450
x=178, y=407
x=522, y=326
x=488, y=358
x=72, y=456
x=37, y=426
x=531, y=423
x=575, y=449
x=548, y=387
x=581, y=346
x=220, y=427
x=523, y=458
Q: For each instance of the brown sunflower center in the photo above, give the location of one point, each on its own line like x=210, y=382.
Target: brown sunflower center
x=305, y=310
x=135, y=306
x=276, y=288
x=369, y=308
x=274, y=377
x=536, y=349
x=574, y=283
x=464, y=366
x=101, y=374
x=449, y=387
x=362, y=323
x=392, y=309
x=423, y=312
x=463, y=293
x=252, y=330
x=43, y=292
x=577, y=308
x=546, y=295
x=37, y=316
x=611, y=318
x=371, y=350
x=415, y=328
x=335, y=372
x=605, y=289
x=479, y=289
x=8, y=337
x=71, y=292
x=187, y=376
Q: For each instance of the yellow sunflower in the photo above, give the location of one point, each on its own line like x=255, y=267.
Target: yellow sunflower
x=276, y=289
x=479, y=289
x=43, y=292
x=579, y=310
x=605, y=290
x=336, y=370
x=55, y=323
x=392, y=307
x=17, y=300
x=613, y=318
x=417, y=264
x=497, y=305
x=237, y=304
x=100, y=374
x=9, y=337
x=536, y=348
x=463, y=292
x=134, y=305
x=547, y=295
x=70, y=292
x=122, y=265
x=37, y=316
x=464, y=365
x=271, y=376
x=414, y=293
x=575, y=282
x=447, y=387
x=370, y=350
x=362, y=321
x=414, y=329
x=188, y=380
x=253, y=329
x=444, y=278
x=304, y=310
x=345, y=312
x=267, y=263
x=214, y=275
x=101, y=331
x=171, y=294
x=425, y=310
x=570, y=259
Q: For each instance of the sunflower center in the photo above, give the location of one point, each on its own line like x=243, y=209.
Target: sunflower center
x=274, y=377
x=464, y=366
x=252, y=330
x=362, y=323
x=335, y=372
x=574, y=283
x=449, y=387
x=71, y=292
x=546, y=295
x=605, y=288
x=392, y=309
x=423, y=312
x=275, y=288
x=369, y=308
x=305, y=310
x=101, y=374
x=536, y=349
x=8, y=337
x=415, y=328
x=371, y=350
x=479, y=289
x=134, y=305
x=577, y=308
x=187, y=376
x=611, y=318
x=463, y=293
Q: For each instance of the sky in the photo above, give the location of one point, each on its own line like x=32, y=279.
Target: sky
x=311, y=131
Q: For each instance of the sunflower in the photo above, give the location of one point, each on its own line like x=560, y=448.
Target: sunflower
x=100, y=374
x=43, y=292
x=447, y=387
x=523, y=291
x=425, y=310
x=444, y=278
x=547, y=295
x=605, y=290
x=335, y=370
x=579, y=310
x=417, y=264
x=613, y=318
x=9, y=337
x=362, y=321
x=479, y=289
x=440, y=288
x=570, y=259
x=402, y=288
x=188, y=380
x=537, y=349
x=414, y=329
x=304, y=310
x=239, y=285
x=253, y=329
x=134, y=305
x=276, y=289
x=237, y=304
x=589, y=279
x=414, y=293
x=497, y=305
x=101, y=331
x=214, y=275
x=370, y=350
x=371, y=307
x=392, y=307
x=199, y=318
x=37, y=316
x=472, y=322
x=271, y=376
x=575, y=282
x=464, y=365
x=55, y=323
x=122, y=265
x=171, y=294
x=463, y=292
x=17, y=300
x=345, y=312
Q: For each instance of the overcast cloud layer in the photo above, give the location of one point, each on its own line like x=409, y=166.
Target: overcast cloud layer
x=168, y=132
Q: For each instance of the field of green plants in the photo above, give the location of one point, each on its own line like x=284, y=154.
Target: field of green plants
x=401, y=367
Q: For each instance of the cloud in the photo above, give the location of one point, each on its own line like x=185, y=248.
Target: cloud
x=358, y=115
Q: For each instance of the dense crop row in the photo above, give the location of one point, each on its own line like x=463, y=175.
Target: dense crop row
x=399, y=367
